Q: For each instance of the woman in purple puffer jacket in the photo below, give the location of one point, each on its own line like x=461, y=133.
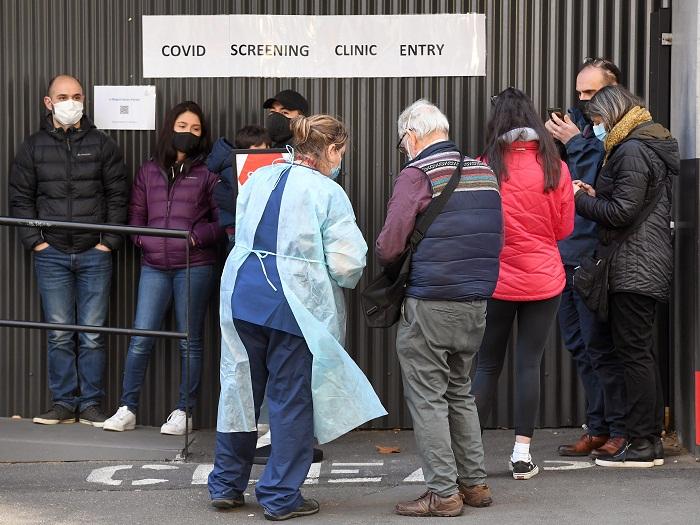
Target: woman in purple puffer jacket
x=174, y=190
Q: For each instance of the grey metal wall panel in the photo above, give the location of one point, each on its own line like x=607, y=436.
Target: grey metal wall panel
x=533, y=44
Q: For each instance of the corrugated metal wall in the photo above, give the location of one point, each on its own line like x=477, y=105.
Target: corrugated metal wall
x=533, y=44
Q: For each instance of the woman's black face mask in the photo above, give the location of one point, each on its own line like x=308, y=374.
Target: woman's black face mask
x=185, y=142
x=278, y=127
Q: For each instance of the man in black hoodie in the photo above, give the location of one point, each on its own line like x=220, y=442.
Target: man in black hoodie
x=70, y=171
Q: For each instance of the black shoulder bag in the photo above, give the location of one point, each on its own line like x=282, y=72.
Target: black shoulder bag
x=591, y=278
x=383, y=297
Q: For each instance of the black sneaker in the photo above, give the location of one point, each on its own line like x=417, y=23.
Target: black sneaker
x=658, y=451
x=524, y=469
x=307, y=508
x=228, y=503
x=92, y=415
x=638, y=453
x=58, y=414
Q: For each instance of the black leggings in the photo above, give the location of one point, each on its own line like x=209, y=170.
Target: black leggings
x=535, y=320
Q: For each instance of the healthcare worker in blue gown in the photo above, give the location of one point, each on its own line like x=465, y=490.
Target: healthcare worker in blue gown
x=282, y=318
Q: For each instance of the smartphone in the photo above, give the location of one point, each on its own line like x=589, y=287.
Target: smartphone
x=558, y=112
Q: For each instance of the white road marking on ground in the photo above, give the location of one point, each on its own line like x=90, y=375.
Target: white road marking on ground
x=375, y=464
x=569, y=465
x=104, y=475
x=314, y=473
x=345, y=471
x=415, y=477
x=355, y=480
x=160, y=467
x=148, y=481
x=200, y=476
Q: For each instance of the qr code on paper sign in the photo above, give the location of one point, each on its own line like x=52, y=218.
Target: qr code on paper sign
x=123, y=110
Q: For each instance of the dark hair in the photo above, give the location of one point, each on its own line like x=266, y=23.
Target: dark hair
x=166, y=155
x=513, y=109
x=252, y=135
x=612, y=103
x=611, y=72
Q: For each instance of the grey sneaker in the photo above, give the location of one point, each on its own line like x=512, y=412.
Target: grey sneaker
x=58, y=414
x=307, y=508
x=93, y=416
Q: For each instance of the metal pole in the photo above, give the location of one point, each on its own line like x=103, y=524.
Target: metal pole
x=90, y=329
x=187, y=350
x=100, y=228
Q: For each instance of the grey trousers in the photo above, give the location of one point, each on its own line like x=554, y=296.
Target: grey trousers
x=436, y=343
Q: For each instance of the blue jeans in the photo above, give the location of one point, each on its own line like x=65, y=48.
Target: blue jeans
x=74, y=289
x=280, y=369
x=156, y=289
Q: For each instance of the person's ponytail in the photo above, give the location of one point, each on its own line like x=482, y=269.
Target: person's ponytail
x=301, y=129
x=312, y=135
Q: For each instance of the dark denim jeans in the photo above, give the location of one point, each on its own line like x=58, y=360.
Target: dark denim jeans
x=74, y=289
x=576, y=322
x=156, y=290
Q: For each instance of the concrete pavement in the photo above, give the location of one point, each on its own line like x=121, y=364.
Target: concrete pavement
x=354, y=484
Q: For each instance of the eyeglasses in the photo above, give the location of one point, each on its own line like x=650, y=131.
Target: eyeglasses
x=399, y=145
x=603, y=63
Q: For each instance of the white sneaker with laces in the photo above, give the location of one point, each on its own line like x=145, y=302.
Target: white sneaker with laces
x=123, y=420
x=175, y=424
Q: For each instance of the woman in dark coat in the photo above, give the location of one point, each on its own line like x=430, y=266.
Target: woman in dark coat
x=174, y=190
x=641, y=158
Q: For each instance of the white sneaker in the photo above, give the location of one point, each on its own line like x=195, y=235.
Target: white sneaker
x=175, y=424
x=123, y=420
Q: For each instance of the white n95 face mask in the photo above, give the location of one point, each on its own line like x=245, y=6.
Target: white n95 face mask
x=68, y=112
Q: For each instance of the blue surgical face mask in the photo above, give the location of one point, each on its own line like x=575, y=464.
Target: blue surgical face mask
x=599, y=132
x=334, y=172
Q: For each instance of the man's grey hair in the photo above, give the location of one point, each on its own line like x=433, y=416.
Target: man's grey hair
x=612, y=103
x=423, y=118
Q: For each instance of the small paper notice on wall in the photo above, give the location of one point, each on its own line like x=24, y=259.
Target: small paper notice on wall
x=125, y=107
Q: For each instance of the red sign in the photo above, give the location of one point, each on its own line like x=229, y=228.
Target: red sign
x=247, y=162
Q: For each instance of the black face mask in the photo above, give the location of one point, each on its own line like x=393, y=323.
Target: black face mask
x=582, y=106
x=278, y=127
x=185, y=142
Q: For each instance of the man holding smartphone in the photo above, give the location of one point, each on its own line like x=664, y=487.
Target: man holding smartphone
x=585, y=337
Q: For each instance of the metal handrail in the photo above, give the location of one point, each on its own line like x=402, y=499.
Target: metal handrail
x=128, y=230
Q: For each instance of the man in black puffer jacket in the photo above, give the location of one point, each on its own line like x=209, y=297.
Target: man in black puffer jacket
x=70, y=171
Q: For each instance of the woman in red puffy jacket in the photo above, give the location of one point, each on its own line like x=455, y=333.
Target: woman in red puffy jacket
x=538, y=209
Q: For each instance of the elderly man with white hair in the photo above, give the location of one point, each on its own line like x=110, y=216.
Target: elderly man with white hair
x=453, y=272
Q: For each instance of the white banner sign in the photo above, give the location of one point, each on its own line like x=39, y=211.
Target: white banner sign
x=124, y=107
x=340, y=46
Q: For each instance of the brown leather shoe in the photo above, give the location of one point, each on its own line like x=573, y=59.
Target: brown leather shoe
x=430, y=504
x=476, y=495
x=611, y=447
x=584, y=446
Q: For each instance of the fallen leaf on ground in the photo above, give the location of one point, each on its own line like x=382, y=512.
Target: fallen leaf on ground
x=388, y=450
